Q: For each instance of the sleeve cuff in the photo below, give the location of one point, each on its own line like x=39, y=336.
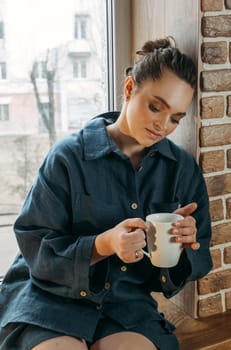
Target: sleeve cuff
x=173, y=279
x=84, y=281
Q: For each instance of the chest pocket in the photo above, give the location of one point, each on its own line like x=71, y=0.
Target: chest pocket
x=92, y=216
x=167, y=207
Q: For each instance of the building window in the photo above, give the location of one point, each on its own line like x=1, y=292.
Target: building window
x=4, y=112
x=1, y=30
x=80, y=68
x=40, y=70
x=80, y=29
x=2, y=70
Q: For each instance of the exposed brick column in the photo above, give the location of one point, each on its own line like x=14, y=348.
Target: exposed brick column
x=215, y=150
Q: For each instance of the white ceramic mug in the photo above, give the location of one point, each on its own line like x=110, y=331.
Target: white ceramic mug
x=163, y=251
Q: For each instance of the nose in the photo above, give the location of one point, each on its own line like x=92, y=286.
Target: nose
x=161, y=123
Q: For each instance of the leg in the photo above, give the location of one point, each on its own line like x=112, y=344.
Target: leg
x=124, y=341
x=60, y=343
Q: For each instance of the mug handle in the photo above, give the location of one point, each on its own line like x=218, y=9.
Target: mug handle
x=153, y=230
x=146, y=253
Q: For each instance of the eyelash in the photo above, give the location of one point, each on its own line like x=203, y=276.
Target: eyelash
x=175, y=121
x=154, y=109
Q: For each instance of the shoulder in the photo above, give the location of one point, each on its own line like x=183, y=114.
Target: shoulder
x=182, y=156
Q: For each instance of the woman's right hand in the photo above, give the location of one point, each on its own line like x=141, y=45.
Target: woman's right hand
x=126, y=240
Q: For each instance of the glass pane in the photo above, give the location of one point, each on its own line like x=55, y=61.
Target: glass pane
x=52, y=80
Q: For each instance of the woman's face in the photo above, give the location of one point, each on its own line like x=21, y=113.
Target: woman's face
x=153, y=111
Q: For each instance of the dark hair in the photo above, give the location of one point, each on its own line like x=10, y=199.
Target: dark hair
x=161, y=55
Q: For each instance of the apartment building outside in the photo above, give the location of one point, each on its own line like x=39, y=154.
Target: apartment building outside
x=77, y=56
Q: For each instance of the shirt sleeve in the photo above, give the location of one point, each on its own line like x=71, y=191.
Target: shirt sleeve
x=193, y=264
x=58, y=258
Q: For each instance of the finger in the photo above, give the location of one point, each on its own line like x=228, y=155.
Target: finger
x=185, y=231
x=187, y=209
x=194, y=245
x=184, y=239
x=135, y=223
x=139, y=255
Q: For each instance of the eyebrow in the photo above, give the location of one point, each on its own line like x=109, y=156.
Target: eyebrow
x=168, y=106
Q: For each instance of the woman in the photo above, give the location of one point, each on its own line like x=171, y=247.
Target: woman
x=81, y=280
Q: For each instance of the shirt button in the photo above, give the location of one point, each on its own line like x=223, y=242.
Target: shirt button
x=123, y=268
x=83, y=293
x=163, y=279
x=98, y=307
x=134, y=206
x=107, y=285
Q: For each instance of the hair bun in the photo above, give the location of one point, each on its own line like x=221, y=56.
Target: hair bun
x=150, y=46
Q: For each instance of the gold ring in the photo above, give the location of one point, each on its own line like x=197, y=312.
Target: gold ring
x=137, y=254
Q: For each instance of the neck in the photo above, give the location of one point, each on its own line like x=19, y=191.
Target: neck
x=127, y=144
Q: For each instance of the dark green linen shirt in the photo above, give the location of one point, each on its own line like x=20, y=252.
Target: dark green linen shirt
x=85, y=186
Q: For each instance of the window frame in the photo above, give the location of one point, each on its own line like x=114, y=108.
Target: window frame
x=118, y=26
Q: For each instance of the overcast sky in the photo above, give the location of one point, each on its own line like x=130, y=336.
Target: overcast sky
x=32, y=26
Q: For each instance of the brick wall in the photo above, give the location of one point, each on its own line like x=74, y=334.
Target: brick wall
x=215, y=149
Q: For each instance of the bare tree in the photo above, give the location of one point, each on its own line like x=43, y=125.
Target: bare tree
x=49, y=73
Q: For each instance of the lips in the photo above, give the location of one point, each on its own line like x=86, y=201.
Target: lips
x=153, y=134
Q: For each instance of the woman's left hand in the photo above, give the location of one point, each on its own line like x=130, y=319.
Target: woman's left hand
x=186, y=228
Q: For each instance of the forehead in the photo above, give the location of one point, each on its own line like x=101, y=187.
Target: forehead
x=176, y=92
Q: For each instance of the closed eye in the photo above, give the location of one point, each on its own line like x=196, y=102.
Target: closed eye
x=153, y=108
x=175, y=121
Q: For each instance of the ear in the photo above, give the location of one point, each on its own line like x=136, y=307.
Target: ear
x=129, y=84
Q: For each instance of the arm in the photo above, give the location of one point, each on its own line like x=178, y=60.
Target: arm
x=195, y=234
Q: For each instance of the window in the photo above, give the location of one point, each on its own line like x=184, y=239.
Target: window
x=4, y=112
x=1, y=30
x=79, y=68
x=78, y=111
x=80, y=29
x=24, y=137
x=2, y=70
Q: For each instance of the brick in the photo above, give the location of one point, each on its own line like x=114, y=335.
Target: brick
x=227, y=255
x=210, y=306
x=215, y=135
x=216, y=80
x=221, y=234
x=216, y=210
x=208, y=5
x=228, y=4
x=230, y=52
x=219, y=184
x=229, y=158
x=228, y=208
x=214, y=282
x=212, y=107
x=214, y=52
x=212, y=161
x=216, y=26
x=228, y=300
x=216, y=258
x=229, y=106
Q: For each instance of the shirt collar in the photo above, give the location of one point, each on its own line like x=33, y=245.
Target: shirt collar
x=97, y=142
x=164, y=147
